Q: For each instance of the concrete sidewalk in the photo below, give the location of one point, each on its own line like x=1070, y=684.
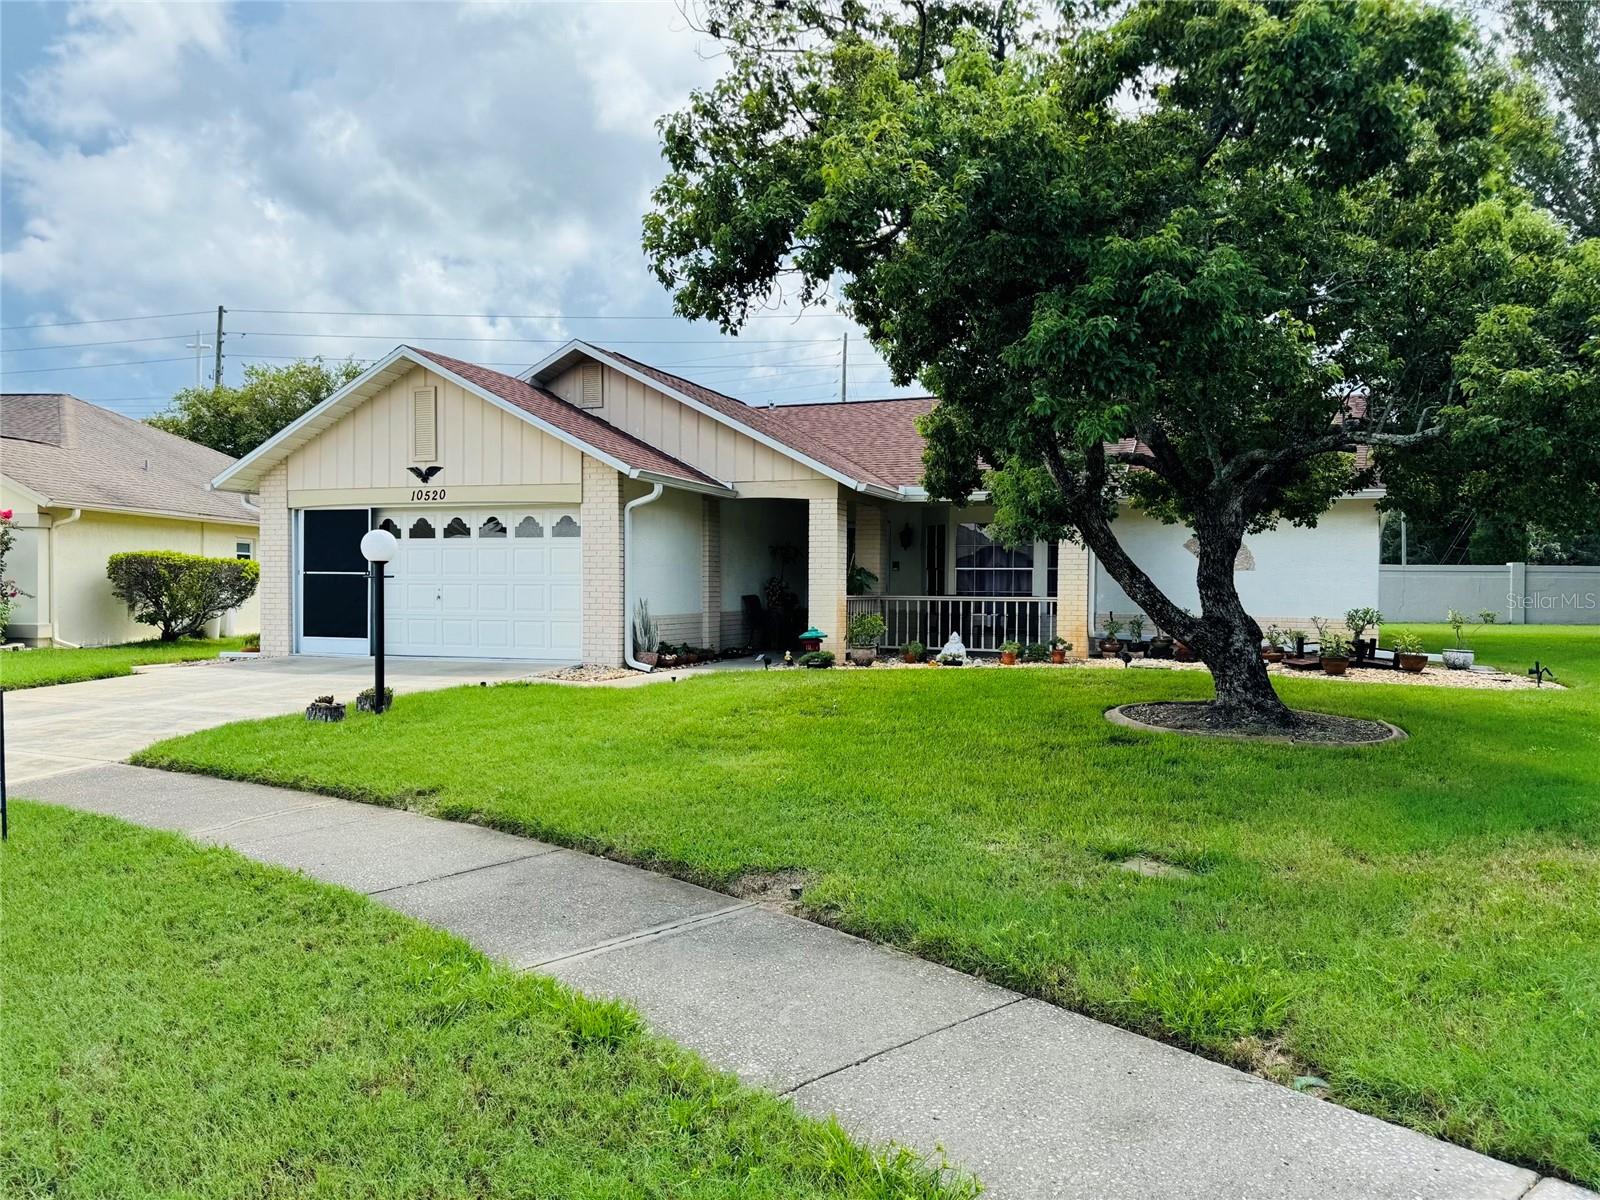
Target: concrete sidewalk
x=1036, y=1101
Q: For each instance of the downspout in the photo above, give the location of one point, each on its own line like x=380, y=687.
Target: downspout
x=627, y=575
x=55, y=525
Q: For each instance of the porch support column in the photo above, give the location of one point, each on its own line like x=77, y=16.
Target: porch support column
x=1072, y=597
x=826, y=567
x=275, y=590
x=869, y=543
x=603, y=622
x=711, y=572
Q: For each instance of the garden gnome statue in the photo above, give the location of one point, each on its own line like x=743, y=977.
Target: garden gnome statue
x=954, y=648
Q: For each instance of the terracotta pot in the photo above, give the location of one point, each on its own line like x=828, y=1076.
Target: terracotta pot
x=1110, y=647
x=648, y=657
x=1007, y=659
x=1182, y=653
x=907, y=656
x=1335, y=666
x=1413, y=662
x=1272, y=654
x=1058, y=657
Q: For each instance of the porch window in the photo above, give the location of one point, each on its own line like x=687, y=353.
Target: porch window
x=986, y=568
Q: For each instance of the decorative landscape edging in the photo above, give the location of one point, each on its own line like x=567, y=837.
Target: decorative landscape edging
x=1117, y=717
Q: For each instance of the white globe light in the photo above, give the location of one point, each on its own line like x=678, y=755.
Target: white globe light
x=378, y=545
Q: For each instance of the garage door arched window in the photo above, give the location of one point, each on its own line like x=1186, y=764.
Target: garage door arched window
x=457, y=528
x=529, y=528
x=565, y=527
x=491, y=528
x=421, y=528
x=389, y=527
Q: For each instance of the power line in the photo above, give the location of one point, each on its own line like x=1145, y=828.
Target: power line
x=137, y=362
x=106, y=320
x=544, y=341
x=303, y=312
x=164, y=337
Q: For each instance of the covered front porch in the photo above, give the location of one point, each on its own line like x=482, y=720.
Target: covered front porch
x=755, y=570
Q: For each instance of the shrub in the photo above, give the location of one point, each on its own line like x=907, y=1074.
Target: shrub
x=915, y=649
x=865, y=630
x=1335, y=645
x=816, y=659
x=1489, y=616
x=179, y=593
x=1407, y=643
x=252, y=641
x=1359, y=620
x=1035, y=652
x=1010, y=647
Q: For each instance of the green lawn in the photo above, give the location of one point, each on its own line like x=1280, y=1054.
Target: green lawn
x=180, y=1022
x=1417, y=923
x=41, y=668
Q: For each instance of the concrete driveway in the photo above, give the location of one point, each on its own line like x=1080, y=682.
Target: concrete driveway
x=50, y=730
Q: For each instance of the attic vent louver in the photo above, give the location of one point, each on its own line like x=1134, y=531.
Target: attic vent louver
x=424, y=425
x=589, y=389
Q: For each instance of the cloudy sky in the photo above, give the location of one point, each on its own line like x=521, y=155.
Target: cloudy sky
x=311, y=161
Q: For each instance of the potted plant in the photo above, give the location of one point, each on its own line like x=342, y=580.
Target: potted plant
x=862, y=636
x=1035, y=652
x=1058, y=650
x=1111, y=643
x=1272, y=652
x=365, y=698
x=1458, y=658
x=324, y=709
x=1335, y=653
x=1136, y=633
x=1161, y=645
x=1408, y=652
x=817, y=660
x=913, y=651
x=1009, y=652
x=645, y=635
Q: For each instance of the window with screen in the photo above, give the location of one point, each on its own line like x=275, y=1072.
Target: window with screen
x=986, y=568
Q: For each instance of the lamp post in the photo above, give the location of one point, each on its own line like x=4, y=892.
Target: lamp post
x=377, y=547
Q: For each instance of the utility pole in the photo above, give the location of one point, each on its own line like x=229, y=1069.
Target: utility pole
x=216, y=377
x=844, y=370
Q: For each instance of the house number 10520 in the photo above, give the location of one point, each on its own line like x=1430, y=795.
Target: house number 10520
x=428, y=494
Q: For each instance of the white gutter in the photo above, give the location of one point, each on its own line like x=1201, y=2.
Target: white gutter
x=77, y=514
x=655, y=494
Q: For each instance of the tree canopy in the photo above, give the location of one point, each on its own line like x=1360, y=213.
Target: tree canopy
x=1227, y=261
x=235, y=420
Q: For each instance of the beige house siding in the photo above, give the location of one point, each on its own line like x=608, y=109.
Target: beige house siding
x=478, y=446
x=685, y=433
x=275, y=591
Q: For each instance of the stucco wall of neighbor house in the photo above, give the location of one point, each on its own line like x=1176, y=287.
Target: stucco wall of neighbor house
x=750, y=528
x=1521, y=593
x=666, y=558
x=87, y=613
x=484, y=453
x=1296, y=572
x=685, y=433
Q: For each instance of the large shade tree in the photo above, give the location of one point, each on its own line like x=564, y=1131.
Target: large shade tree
x=1224, y=261
x=235, y=420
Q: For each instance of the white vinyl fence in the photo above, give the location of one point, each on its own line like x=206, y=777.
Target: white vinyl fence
x=1521, y=593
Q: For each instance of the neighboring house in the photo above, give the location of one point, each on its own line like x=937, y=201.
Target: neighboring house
x=85, y=483
x=533, y=512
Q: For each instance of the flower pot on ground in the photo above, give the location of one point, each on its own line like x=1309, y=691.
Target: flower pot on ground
x=862, y=636
x=323, y=708
x=1335, y=653
x=365, y=698
x=1181, y=652
x=1009, y=652
x=913, y=652
x=1161, y=646
x=1111, y=643
x=1408, y=652
x=1458, y=657
x=1136, y=640
x=1276, y=644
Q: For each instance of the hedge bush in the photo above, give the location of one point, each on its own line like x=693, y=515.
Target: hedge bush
x=178, y=593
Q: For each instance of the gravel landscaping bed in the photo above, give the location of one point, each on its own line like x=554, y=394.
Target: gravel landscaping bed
x=1201, y=718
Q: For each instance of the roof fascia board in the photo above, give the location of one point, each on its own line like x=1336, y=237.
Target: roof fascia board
x=771, y=443
x=26, y=492
x=687, y=485
x=165, y=514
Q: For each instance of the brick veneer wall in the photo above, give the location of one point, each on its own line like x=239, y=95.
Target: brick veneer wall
x=826, y=531
x=1072, y=597
x=273, y=552
x=601, y=514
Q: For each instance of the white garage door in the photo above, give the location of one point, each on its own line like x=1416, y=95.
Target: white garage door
x=485, y=583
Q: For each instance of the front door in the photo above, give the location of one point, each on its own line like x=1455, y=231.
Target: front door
x=334, y=593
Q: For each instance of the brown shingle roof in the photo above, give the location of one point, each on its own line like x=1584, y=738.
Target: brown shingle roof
x=79, y=455
x=571, y=419
x=884, y=447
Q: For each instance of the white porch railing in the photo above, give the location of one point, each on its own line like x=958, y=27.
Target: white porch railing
x=984, y=622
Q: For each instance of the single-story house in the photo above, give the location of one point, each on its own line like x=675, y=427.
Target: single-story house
x=534, y=512
x=84, y=483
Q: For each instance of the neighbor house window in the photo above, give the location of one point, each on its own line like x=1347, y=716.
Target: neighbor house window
x=986, y=568
x=242, y=550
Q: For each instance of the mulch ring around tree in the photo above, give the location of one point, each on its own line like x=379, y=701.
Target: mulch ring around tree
x=1310, y=728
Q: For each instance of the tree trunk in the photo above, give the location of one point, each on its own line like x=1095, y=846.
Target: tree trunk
x=1229, y=640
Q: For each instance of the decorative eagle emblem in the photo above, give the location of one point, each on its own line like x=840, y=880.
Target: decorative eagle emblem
x=425, y=474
